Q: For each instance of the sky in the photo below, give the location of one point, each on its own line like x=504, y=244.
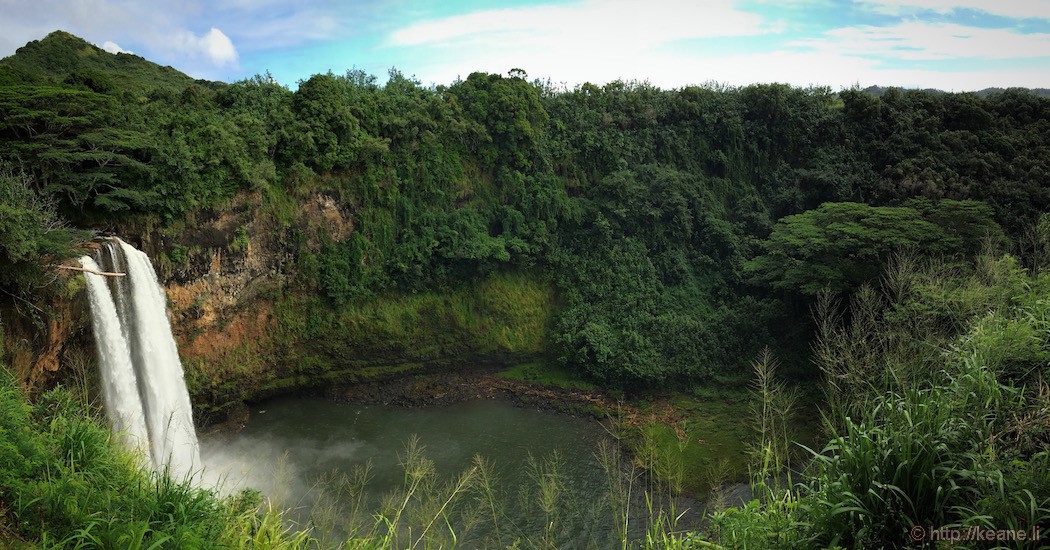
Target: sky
x=955, y=45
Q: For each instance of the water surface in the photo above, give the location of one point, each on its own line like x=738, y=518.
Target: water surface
x=291, y=443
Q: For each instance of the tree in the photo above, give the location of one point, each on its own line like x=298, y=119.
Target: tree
x=78, y=145
x=839, y=246
x=31, y=233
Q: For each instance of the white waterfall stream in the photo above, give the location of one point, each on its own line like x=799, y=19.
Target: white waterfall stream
x=119, y=386
x=144, y=387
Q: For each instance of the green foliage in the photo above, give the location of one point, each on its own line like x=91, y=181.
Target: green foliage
x=756, y=526
x=240, y=239
x=77, y=144
x=924, y=144
x=773, y=413
x=509, y=120
x=547, y=374
x=703, y=449
x=31, y=233
x=179, y=255
x=507, y=314
x=653, y=210
x=646, y=271
x=911, y=461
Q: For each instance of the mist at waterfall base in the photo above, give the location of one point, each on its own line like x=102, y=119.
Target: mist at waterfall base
x=291, y=447
x=142, y=378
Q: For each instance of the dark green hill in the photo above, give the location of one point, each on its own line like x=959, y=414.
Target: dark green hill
x=878, y=91
x=61, y=58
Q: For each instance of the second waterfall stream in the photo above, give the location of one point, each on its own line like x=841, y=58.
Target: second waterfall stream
x=143, y=384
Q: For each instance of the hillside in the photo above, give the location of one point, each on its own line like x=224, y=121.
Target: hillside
x=63, y=59
x=1039, y=92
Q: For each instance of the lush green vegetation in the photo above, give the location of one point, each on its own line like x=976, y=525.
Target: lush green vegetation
x=547, y=374
x=640, y=239
x=839, y=246
x=928, y=425
x=662, y=217
x=31, y=235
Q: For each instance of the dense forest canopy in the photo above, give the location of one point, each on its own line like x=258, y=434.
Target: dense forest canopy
x=680, y=227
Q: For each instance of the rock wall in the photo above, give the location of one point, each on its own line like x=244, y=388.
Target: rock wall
x=215, y=267
x=247, y=328
x=46, y=340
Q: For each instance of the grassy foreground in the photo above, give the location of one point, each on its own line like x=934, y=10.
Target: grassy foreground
x=64, y=485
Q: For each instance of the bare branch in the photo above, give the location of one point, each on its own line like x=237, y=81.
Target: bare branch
x=96, y=272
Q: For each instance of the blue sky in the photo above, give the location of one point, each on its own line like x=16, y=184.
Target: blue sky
x=947, y=44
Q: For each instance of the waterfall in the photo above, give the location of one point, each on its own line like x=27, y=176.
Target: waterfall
x=144, y=388
x=119, y=386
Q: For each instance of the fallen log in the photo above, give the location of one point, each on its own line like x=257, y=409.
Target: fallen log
x=95, y=271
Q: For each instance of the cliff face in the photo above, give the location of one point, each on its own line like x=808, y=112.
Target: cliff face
x=247, y=328
x=51, y=340
x=221, y=272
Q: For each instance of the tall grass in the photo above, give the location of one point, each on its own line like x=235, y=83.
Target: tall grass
x=773, y=410
x=65, y=484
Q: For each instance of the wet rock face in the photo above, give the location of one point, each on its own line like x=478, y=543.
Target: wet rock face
x=52, y=342
x=214, y=271
x=220, y=269
x=242, y=240
x=222, y=272
x=209, y=243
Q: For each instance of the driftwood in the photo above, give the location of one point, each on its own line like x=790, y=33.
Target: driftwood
x=96, y=272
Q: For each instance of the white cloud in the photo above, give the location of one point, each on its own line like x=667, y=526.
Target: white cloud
x=923, y=41
x=594, y=42
x=214, y=46
x=1019, y=9
x=177, y=33
x=113, y=47
x=673, y=70
x=570, y=26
